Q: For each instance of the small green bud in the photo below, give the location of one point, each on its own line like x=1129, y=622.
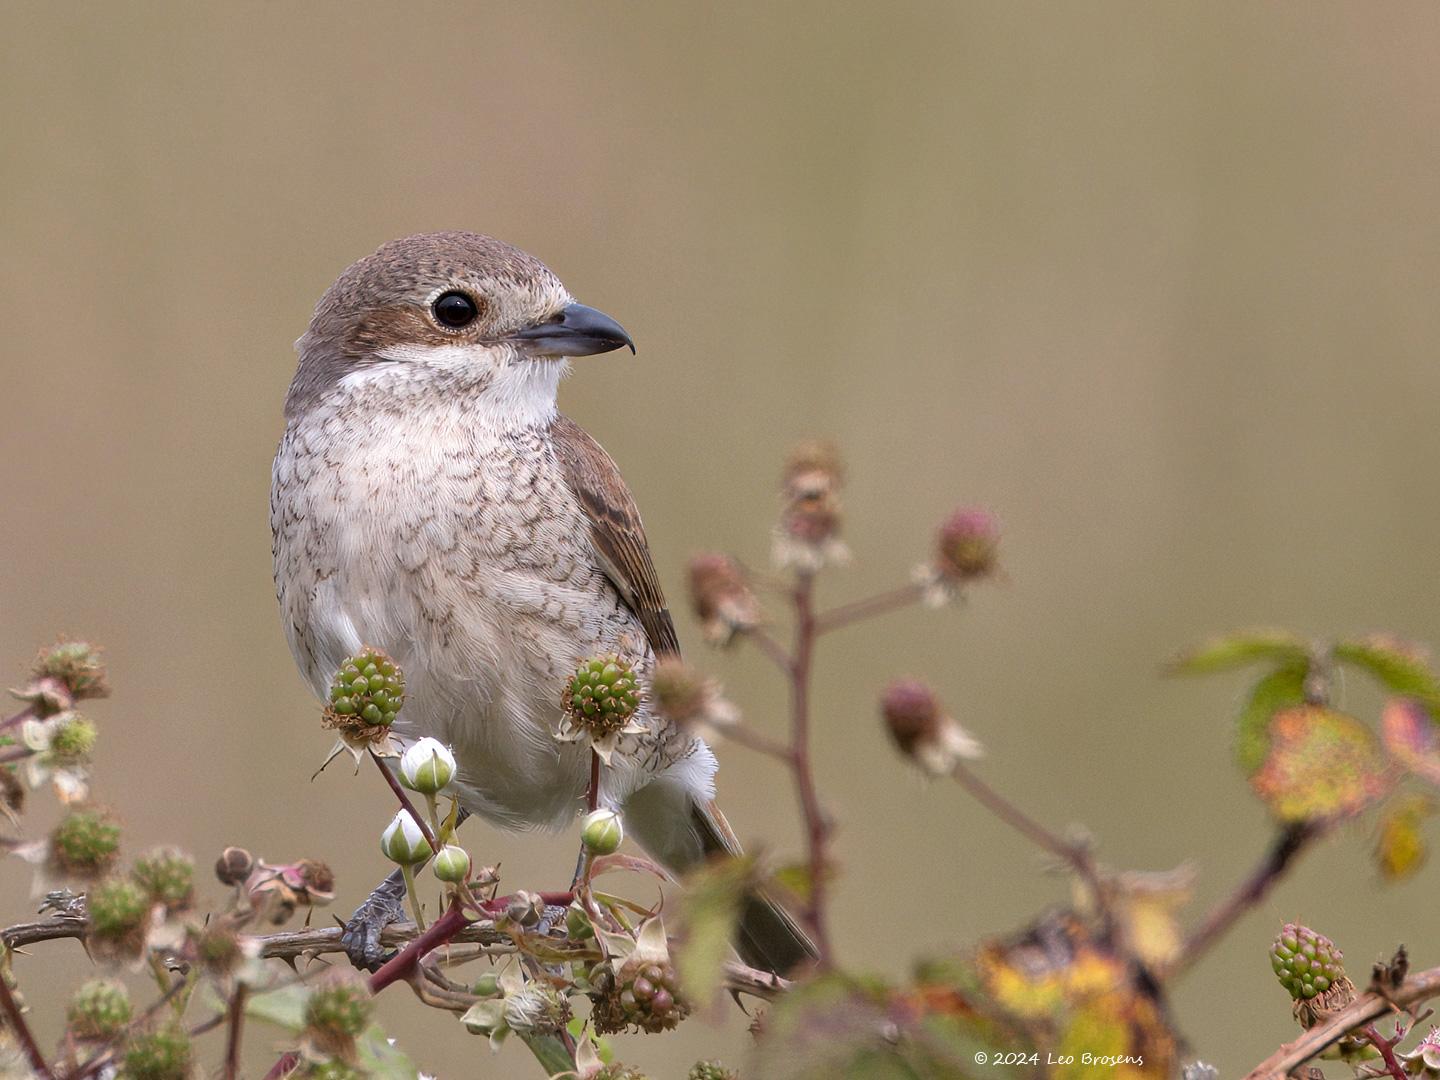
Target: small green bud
x=100, y=1009
x=427, y=767
x=487, y=985
x=72, y=742
x=117, y=910
x=167, y=876
x=577, y=924
x=403, y=842
x=602, y=832
x=163, y=1054
x=452, y=865
x=86, y=843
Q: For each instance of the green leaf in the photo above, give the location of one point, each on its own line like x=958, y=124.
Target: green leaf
x=285, y=1007
x=709, y=910
x=1321, y=764
x=1400, y=666
x=795, y=879
x=1241, y=649
x=1400, y=847
x=379, y=1059
x=1283, y=688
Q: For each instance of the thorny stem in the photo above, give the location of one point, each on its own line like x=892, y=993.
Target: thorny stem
x=857, y=610
x=817, y=825
x=404, y=962
x=1365, y=1009
x=1283, y=851
x=232, y=1035
x=16, y=1022
x=404, y=797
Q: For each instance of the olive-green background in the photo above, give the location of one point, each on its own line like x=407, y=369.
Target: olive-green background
x=1156, y=282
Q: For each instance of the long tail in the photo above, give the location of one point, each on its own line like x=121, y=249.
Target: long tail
x=681, y=832
x=767, y=937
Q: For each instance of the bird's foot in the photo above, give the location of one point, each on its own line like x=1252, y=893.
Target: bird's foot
x=361, y=938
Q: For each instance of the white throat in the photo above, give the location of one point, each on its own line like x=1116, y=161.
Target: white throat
x=502, y=392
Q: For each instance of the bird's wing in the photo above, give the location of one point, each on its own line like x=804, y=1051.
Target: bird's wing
x=615, y=530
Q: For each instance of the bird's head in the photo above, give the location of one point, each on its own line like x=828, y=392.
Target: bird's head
x=454, y=306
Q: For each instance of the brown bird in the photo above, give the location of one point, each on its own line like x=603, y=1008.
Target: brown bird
x=428, y=499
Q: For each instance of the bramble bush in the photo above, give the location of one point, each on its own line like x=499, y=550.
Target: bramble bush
x=1076, y=992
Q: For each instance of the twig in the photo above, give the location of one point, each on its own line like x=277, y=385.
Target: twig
x=1387, y=1051
x=404, y=797
x=1017, y=819
x=771, y=648
x=857, y=610
x=232, y=1035
x=18, y=936
x=1363, y=1010
x=403, y=963
x=751, y=739
x=817, y=825
x=1287, y=846
x=18, y=719
x=16, y=1021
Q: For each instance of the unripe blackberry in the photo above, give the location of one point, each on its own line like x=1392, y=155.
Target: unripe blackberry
x=77, y=664
x=72, y=742
x=117, y=911
x=167, y=875
x=157, y=1055
x=337, y=1011
x=711, y=1070
x=602, y=695
x=369, y=690
x=1306, y=963
x=216, y=946
x=234, y=865
x=968, y=545
x=100, y=1009
x=643, y=994
x=618, y=1071
x=86, y=843
x=333, y=1069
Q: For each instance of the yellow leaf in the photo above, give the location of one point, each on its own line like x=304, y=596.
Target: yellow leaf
x=1321, y=763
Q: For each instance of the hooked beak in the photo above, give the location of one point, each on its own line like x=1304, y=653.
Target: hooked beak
x=576, y=331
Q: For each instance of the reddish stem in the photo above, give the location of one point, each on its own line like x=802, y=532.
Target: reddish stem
x=11, y=1008
x=1387, y=1051
x=592, y=798
x=232, y=1036
x=867, y=608
x=404, y=962
x=817, y=826
x=404, y=797
x=288, y=1063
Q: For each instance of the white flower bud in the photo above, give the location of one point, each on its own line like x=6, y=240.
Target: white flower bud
x=403, y=842
x=452, y=865
x=602, y=832
x=427, y=767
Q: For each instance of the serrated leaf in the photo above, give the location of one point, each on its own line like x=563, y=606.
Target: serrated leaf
x=1411, y=738
x=709, y=910
x=1402, y=667
x=1283, y=688
x=1321, y=764
x=1241, y=649
x=1400, y=847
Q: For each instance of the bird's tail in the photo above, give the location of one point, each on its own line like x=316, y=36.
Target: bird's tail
x=767, y=936
x=681, y=832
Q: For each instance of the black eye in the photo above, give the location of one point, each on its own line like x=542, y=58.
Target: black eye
x=455, y=309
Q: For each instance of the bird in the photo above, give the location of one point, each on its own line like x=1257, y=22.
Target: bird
x=429, y=500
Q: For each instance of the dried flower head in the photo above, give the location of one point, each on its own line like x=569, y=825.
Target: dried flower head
x=336, y=1012
x=722, y=598
x=167, y=876
x=967, y=549
x=807, y=537
x=1424, y=1059
x=279, y=890
x=234, y=865
x=100, y=1009
x=601, y=701
x=76, y=665
x=690, y=700
x=162, y=1054
x=922, y=730
x=118, y=911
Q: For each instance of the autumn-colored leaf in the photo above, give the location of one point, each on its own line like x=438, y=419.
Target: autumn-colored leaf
x=1321, y=764
x=1402, y=667
x=1411, y=737
x=1146, y=905
x=1283, y=688
x=1400, y=847
x=1241, y=649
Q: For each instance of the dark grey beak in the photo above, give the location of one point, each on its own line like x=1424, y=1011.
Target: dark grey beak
x=576, y=331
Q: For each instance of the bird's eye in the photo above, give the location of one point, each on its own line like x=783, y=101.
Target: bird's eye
x=455, y=309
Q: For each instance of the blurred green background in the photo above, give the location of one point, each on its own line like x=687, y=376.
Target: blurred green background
x=1155, y=282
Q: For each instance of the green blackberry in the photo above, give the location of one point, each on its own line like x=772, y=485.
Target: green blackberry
x=86, y=843
x=1306, y=963
x=602, y=695
x=100, y=1009
x=338, y=1009
x=157, y=1055
x=117, y=909
x=167, y=876
x=368, y=690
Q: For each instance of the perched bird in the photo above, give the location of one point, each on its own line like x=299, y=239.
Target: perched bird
x=429, y=500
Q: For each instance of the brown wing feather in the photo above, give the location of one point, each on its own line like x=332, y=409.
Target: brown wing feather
x=615, y=530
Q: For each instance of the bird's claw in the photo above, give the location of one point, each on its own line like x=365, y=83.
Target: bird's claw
x=361, y=937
